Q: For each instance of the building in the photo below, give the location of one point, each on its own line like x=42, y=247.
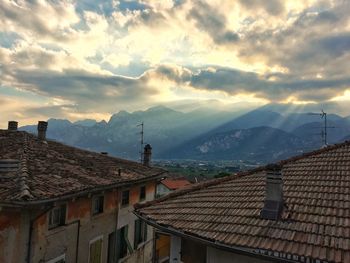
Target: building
x=168, y=185
x=297, y=210
x=63, y=204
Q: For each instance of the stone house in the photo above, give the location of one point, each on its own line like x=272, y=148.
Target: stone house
x=297, y=210
x=63, y=204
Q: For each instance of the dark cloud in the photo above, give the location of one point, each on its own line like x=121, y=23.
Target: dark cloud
x=211, y=21
x=272, y=7
x=87, y=90
x=237, y=82
x=29, y=16
x=57, y=111
x=315, y=43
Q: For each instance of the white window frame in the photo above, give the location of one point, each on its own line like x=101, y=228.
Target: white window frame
x=94, y=240
x=57, y=259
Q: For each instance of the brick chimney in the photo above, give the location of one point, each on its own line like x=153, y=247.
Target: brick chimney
x=147, y=155
x=42, y=127
x=273, y=204
x=12, y=125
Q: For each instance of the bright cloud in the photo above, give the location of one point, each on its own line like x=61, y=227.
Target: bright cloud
x=92, y=58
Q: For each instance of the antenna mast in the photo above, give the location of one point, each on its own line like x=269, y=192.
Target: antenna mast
x=324, y=132
x=141, y=141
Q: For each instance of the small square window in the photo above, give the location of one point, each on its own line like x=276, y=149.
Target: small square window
x=57, y=216
x=142, y=192
x=125, y=197
x=97, y=204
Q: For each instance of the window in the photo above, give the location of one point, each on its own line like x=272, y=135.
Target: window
x=142, y=192
x=123, y=244
x=125, y=197
x=95, y=252
x=140, y=232
x=97, y=204
x=57, y=216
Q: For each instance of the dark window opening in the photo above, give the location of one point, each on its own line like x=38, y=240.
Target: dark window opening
x=97, y=204
x=140, y=232
x=125, y=197
x=123, y=244
x=143, y=193
x=57, y=216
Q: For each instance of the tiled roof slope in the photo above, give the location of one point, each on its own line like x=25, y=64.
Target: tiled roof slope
x=50, y=169
x=175, y=183
x=315, y=224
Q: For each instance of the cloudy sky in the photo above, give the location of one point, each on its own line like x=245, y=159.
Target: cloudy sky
x=88, y=58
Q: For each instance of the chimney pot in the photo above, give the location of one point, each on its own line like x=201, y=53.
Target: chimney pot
x=42, y=128
x=12, y=125
x=147, y=155
x=273, y=204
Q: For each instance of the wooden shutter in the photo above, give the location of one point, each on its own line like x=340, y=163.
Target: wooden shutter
x=137, y=233
x=145, y=232
x=118, y=244
x=62, y=219
x=96, y=251
x=126, y=239
x=112, y=248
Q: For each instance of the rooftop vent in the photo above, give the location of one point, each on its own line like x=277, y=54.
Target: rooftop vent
x=8, y=165
x=273, y=204
x=12, y=125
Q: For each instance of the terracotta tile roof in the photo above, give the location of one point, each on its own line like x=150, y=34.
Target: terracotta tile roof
x=174, y=184
x=315, y=223
x=50, y=169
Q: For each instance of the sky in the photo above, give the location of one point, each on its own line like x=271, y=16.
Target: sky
x=89, y=59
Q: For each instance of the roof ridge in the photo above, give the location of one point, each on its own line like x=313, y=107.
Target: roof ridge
x=314, y=152
x=89, y=151
x=23, y=177
x=212, y=182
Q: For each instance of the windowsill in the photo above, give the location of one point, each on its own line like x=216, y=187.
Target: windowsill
x=141, y=245
x=124, y=258
x=96, y=216
x=138, y=247
x=125, y=206
x=56, y=229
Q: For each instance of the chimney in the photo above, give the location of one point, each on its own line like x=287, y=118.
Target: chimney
x=273, y=204
x=42, y=127
x=147, y=155
x=13, y=125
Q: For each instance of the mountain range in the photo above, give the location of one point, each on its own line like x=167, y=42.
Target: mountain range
x=262, y=134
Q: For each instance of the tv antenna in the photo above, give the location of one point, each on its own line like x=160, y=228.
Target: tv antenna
x=324, y=132
x=141, y=140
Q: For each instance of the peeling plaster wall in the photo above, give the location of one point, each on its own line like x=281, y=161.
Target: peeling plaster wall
x=126, y=217
x=14, y=230
x=48, y=243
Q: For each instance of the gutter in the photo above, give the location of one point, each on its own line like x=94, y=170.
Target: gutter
x=81, y=193
x=215, y=244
